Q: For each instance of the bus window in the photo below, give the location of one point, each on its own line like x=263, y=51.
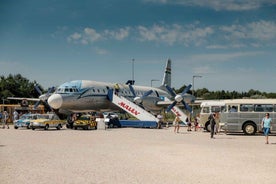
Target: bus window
x=264, y=108
x=233, y=108
x=205, y=110
x=259, y=108
x=246, y=107
x=216, y=108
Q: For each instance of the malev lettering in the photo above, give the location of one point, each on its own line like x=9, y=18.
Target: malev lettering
x=128, y=108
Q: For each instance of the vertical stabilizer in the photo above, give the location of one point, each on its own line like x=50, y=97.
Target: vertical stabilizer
x=167, y=75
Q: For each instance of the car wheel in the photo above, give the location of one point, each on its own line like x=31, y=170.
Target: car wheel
x=59, y=127
x=33, y=128
x=15, y=127
x=88, y=127
x=111, y=125
x=249, y=128
x=46, y=127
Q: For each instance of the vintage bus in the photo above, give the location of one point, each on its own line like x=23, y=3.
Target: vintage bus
x=206, y=108
x=245, y=115
x=10, y=108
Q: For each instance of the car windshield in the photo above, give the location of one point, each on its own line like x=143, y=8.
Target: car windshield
x=25, y=116
x=84, y=118
x=29, y=116
x=43, y=116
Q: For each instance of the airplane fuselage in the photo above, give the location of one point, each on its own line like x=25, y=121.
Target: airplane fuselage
x=85, y=96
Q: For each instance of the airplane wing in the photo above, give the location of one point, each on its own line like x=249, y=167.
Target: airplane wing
x=28, y=99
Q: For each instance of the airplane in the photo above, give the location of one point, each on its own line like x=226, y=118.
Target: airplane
x=87, y=96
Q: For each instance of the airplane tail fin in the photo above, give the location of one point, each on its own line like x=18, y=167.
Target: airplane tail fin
x=167, y=74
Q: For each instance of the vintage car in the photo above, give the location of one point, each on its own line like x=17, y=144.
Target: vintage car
x=47, y=121
x=24, y=120
x=85, y=122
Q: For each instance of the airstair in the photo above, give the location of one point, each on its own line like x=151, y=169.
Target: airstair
x=144, y=116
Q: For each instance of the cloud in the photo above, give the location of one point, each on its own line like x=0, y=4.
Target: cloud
x=253, y=34
x=101, y=51
x=219, y=5
x=74, y=37
x=220, y=57
x=171, y=34
x=90, y=35
x=120, y=34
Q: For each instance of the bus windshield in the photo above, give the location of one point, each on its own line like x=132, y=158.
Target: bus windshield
x=208, y=107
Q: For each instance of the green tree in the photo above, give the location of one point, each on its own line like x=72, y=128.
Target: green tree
x=17, y=86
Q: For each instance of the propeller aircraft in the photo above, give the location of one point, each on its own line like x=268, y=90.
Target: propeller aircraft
x=86, y=96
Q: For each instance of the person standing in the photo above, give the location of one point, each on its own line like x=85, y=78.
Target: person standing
x=189, y=123
x=266, y=124
x=160, y=121
x=196, y=124
x=5, y=119
x=212, y=120
x=15, y=115
x=176, y=124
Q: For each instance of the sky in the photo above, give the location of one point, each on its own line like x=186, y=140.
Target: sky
x=230, y=43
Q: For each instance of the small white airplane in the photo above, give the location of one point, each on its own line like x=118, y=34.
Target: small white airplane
x=87, y=96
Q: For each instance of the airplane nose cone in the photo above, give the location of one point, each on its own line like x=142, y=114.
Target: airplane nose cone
x=55, y=101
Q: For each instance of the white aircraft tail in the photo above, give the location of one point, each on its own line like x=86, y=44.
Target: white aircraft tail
x=167, y=74
x=131, y=108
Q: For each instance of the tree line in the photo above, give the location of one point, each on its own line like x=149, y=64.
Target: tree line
x=19, y=86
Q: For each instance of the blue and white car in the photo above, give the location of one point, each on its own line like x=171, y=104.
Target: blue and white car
x=24, y=120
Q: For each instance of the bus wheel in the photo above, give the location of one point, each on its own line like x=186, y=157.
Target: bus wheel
x=249, y=128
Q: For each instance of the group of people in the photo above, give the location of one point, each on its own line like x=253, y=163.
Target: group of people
x=177, y=121
x=4, y=116
x=266, y=125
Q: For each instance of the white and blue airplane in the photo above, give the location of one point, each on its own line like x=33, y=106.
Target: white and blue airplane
x=87, y=96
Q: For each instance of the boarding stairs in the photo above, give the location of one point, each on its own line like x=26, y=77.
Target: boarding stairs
x=177, y=111
x=130, y=107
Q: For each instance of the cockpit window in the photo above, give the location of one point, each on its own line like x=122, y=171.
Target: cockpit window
x=67, y=89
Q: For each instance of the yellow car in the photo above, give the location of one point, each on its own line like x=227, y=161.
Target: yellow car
x=85, y=122
x=47, y=121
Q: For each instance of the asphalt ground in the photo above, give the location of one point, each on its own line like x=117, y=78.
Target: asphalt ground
x=134, y=155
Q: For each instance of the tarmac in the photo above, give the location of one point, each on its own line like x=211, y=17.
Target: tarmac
x=134, y=155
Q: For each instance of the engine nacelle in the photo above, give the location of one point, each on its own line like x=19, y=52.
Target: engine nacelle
x=178, y=98
x=138, y=100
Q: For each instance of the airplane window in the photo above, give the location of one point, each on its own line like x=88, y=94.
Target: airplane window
x=94, y=90
x=103, y=90
x=98, y=90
